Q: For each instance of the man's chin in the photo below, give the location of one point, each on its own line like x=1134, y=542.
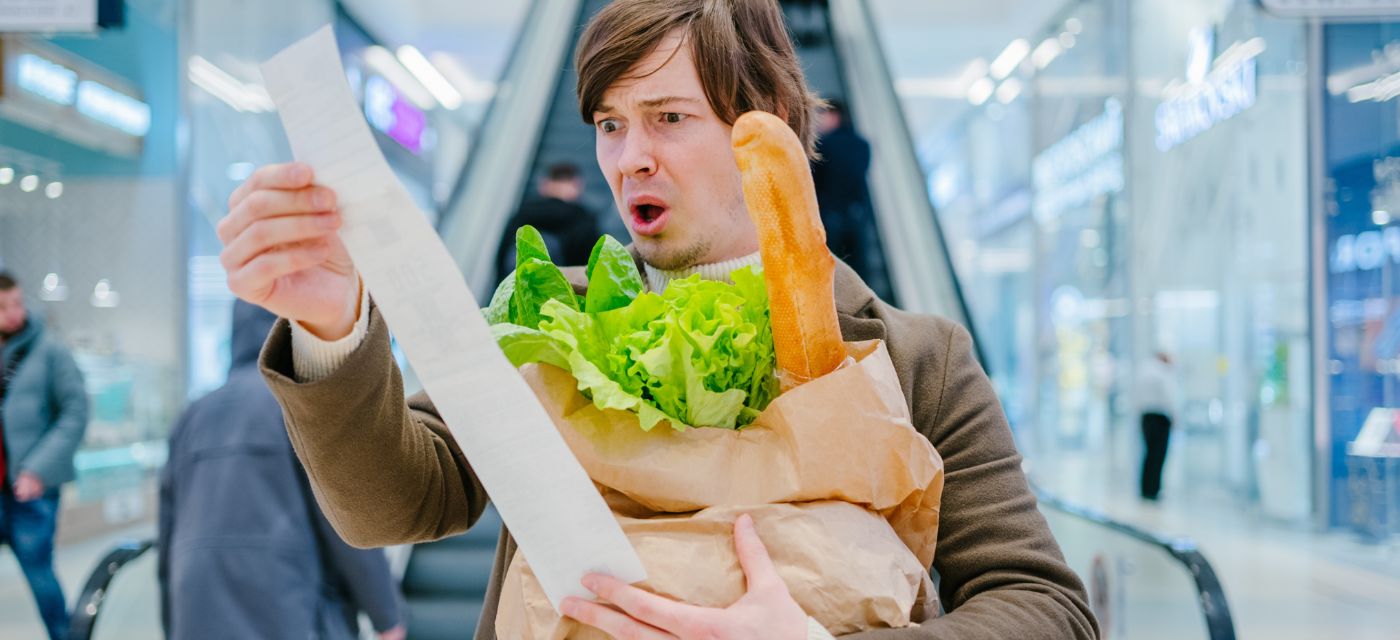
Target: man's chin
x=665, y=255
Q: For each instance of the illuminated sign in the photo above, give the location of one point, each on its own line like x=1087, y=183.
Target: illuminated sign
x=1215, y=89
x=1084, y=165
x=46, y=79
x=393, y=115
x=113, y=108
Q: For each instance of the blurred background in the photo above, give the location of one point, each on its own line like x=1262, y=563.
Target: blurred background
x=1084, y=184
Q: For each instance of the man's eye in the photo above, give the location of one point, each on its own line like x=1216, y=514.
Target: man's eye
x=672, y=118
x=607, y=126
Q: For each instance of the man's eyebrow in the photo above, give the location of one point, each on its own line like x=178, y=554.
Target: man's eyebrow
x=652, y=103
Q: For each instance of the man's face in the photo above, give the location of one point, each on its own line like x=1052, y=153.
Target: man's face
x=668, y=160
x=11, y=310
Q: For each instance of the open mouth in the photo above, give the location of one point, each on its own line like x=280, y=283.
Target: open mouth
x=648, y=215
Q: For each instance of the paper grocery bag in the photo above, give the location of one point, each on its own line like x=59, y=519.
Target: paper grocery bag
x=868, y=578
x=845, y=437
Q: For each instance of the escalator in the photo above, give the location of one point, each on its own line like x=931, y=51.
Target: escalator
x=1142, y=585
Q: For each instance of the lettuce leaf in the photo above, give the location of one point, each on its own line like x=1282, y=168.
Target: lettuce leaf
x=698, y=354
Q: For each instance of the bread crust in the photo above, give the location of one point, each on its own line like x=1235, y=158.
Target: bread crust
x=798, y=267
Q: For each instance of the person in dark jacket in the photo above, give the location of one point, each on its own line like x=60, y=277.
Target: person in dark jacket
x=244, y=551
x=43, y=414
x=569, y=230
x=842, y=193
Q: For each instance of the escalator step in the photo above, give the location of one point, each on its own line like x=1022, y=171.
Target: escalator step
x=448, y=572
x=442, y=618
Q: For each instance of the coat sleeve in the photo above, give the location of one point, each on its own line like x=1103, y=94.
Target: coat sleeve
x=1001, y=572
x=52, y=457
x=384, y=471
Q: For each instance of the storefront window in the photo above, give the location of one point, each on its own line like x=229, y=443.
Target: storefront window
x=1362, y=200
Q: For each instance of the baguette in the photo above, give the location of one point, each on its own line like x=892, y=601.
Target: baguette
x=797, y=266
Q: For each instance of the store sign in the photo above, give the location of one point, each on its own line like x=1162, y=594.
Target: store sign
x=47, y=79
x=1082, y=166
x=113, y=108
x=48, y=15
x=1366, y=251
x=1215, y=89
x=393, y=115
x=54, y=91
x=1333, y=8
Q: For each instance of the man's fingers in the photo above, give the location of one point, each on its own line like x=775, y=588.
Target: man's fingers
x=291, y=175
x=271, y=203
x=270, y=233
x=645, y=606
x=254, y=280
x=753, y=556
x=611, y=621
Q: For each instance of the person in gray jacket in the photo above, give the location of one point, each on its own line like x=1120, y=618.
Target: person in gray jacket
x=244, y=552
x=43, y=414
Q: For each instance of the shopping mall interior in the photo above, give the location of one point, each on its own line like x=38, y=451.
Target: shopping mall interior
x=1135, y=208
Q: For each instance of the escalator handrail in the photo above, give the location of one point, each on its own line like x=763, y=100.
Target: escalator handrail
x=89, y=604
x=1210, y=593
x=921, y=266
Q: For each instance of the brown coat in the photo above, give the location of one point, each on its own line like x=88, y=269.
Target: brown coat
x=386, y=471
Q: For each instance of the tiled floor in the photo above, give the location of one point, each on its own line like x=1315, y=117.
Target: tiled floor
x=1282, y=581
x=132, y=613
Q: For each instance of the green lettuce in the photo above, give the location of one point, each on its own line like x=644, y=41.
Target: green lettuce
x=698, y=354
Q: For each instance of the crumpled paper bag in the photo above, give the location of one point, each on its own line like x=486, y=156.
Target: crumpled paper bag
x=844, y=493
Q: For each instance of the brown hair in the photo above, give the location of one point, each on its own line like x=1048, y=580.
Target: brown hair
x=741, y=48
x=7, y=281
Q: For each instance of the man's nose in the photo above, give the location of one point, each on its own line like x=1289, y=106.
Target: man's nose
x=637, y=158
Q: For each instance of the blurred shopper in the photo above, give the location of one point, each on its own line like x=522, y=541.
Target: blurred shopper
x=569, y=230
x=244, y=550
x=842, y=194
x=43, y=414
x=1156, y=400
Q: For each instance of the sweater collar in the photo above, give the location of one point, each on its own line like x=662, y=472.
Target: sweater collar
x=658, y=279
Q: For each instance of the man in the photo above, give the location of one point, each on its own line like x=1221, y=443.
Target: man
x=43, y=414
x=1156, y=399
x=244, y=550
x=842, y=194
x=569, y=230
x=661, y=81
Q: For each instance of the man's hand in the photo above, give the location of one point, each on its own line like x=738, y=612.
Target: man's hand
x=396, y=633
x=281, y=251
x=28, y=487
x=767, y=610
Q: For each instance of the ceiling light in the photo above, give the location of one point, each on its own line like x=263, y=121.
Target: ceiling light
x=7, y=175
x=462, y=79
x=1074, y=26
x=1046, y=53
x=54, y=289
x=1010, y=57
x=54, y=190
x=974, y=70
x=980, y=91
x=104, y=296
x=385, y=64
x=29, y=183
x=241, y=96
x=1067, y=40
x=1380, y=217
x=1009, y=91
x=431, y=78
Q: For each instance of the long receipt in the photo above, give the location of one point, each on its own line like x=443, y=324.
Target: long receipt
x=544, y=496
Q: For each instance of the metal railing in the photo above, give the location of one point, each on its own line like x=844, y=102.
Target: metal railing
x=89, y=604
x=1145, y=546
